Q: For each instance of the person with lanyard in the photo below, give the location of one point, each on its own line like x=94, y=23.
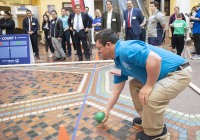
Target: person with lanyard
x=96, y=23
x=31, y=26
x=156, y=25
x=133, y=18
x=196, y=32
x=7, y=24
x=56, y=31
x=111, y=19
x=80, y=23
x=46, y=29
x=66, y=33
x=158, y=77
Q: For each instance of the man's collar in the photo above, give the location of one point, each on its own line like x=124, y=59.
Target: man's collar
x=130, y=10
x=110, y=11
x=117, y=49
x=156, y=11
x=78, y=14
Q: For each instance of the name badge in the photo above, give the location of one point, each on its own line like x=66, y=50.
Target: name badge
x=133, y=17
x=115, y=71
x=33, y=23
x=3, y=31
x=114, y=19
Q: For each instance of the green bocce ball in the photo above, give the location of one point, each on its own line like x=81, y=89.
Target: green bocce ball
x=99, y=116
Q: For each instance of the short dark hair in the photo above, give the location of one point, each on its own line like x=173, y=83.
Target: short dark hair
x=7, y=13
x=179, y=15
x=106, y=35
x=54, y=11
x=130, y=1
x=63, y=9
x=155, y=3
x=28, y=11
x=177, y=7
x=77, y=5
x=109, y=1
x=87, y=7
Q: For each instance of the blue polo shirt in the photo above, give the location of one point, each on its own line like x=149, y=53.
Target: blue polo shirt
x=64, y=21
x=131, y=57
x=196, y=25
x=97, y=20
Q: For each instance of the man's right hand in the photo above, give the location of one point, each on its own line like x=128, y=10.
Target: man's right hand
x=106, y=116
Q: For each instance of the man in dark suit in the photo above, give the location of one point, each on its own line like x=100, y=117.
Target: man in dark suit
x=80, y=23
x=111, y=19
x=7, y=24
x=133, y=18
x=30, y=26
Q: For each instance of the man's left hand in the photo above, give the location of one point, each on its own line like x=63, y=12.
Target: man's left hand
x=191, y=17
x=87, y=29
x=144, y=94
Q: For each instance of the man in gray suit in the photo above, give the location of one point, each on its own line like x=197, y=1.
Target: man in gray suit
x=111, y=19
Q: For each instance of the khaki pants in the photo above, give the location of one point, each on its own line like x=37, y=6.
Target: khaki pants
x=58, y=53
x=152, y=113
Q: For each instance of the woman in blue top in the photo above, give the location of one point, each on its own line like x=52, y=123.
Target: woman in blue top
x=97, y=22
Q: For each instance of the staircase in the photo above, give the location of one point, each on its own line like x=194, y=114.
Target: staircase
x=135, y=4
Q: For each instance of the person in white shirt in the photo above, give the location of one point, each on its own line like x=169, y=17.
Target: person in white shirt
x=111, y=19
x=80, y=22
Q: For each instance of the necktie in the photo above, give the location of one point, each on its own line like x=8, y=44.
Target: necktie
x=30, y=24
x=77, y=24
x=129, y=22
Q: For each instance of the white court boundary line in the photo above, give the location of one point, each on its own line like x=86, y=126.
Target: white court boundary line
x=59, y=63
x=194, y=87
x=115, y=113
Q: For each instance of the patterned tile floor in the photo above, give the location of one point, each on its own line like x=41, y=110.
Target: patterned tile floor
x=36, y=100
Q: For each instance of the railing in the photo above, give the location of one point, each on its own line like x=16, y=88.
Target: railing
x=142, y=7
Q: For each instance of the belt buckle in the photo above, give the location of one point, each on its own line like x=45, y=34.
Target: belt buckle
x=181, y=68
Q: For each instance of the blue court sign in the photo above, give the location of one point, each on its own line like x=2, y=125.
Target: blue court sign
x=15, y=49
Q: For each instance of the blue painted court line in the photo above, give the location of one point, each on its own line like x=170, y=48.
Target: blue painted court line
x=82, y=107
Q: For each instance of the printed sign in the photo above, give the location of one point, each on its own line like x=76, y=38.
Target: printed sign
x=15, y=49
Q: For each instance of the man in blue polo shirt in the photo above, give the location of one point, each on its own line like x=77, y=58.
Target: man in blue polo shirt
x=196, y=31
x=66, y=33
x=159, y=76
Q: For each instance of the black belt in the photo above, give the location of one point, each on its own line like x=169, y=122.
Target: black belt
x=183, y=66
x=79, y=30
x=129, y=27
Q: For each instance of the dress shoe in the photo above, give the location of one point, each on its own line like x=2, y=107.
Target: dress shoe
x=80, y=59
x=62, y=59
x=37, y=57
x=56, y=59
x=69, y=55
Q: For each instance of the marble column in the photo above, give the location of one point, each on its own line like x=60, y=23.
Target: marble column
x=90, y=4
x=162, y=6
